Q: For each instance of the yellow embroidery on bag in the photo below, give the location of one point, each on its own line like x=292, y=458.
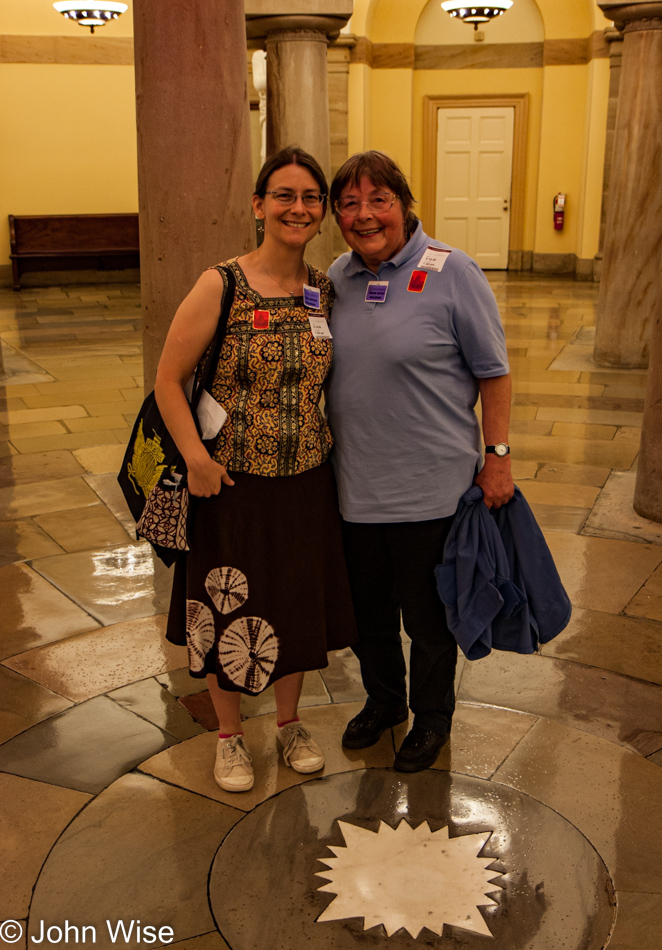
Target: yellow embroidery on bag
x=144, y=469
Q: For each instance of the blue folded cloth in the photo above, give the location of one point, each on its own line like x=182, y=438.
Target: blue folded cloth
x=498, y=580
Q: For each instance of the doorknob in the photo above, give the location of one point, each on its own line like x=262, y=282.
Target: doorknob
x=505, y=204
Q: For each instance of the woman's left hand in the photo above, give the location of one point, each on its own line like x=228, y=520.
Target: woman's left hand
x=496, y=480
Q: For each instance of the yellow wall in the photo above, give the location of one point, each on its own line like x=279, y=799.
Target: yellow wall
x=68, y=141
x=567, y=106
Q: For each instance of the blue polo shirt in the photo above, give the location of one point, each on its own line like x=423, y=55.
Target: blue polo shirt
x=404, y=383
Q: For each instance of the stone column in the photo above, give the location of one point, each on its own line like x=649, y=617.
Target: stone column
x=648, y=487
x=615, y=39
x=633, y=237
x=194, y=153
x=297, y=85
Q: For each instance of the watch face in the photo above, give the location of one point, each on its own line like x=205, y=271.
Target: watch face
x=500, y=449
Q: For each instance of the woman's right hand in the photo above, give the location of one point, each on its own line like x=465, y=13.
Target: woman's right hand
x=205, y=476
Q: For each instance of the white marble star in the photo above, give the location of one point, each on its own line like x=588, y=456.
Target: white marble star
x=408, y=878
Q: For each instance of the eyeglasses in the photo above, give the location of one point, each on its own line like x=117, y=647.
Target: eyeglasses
x=310, y=199
x=377, y=204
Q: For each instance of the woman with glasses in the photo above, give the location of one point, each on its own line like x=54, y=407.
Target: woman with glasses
x=263, y=594
x=417, y=338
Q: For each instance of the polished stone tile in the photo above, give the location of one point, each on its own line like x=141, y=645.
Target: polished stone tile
x=521, y=470
x=24, y=703
x=656, y=758
x=20, y=416
x=611, y=642
x=530, y=427
x=342, y=677
x=548, y=448
x=647, y=602
x=38, y=468
x=566, y=495
x=180, y=683
x=34, y=612
x=602, y=574
x=580, y=430
x=141, y=851
x=91, y=664
x=211, y=941
x=191, y=763
x=33, y=816
x=113, y=584
x=31, y=430
x=628, y=434
x=638, y=922
x=481, y=738
x=608, y=417
x=22, y=540
x=615, y=707
x=92, y=423
x=572, y=474
x=611, y=795
x=99, y=459
x=86, y=747
x=69, y=441
x=560, y=517
x=38, y=498
x=614, y=517
x=84, y=529
x=108, y=489
x=151, y=701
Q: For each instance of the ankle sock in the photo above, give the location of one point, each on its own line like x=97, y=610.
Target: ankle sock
x=288, y=721
x=228, y=735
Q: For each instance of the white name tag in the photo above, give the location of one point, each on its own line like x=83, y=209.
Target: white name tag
x=211, y=414
x=311, y=297
x=433, y=258
x=319, y=327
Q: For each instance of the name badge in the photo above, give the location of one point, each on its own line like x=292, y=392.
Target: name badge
x=319, y=327
x=417, y=281
x=311, y=297
x=376, y=291
x=433, y=258
x=261, y=319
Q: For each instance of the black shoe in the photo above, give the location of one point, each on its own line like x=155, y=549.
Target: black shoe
x=366, y=728
x=419, y=749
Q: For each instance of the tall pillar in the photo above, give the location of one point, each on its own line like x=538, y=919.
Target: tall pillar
x=297, y=85
x=633, y=237
x=194, y=152
x=648, y=487
x=615, y=40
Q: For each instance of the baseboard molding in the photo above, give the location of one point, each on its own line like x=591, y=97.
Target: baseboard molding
x=565, y=265
x=55, y=278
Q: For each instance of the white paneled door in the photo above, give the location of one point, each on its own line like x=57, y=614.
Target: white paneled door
x=474, y=172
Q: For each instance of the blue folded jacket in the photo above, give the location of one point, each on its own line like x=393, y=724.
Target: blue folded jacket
x=498, y=580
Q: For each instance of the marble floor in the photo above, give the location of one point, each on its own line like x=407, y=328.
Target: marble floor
x=535, y=830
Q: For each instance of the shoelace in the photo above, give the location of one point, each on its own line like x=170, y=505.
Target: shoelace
x=298, y=731
x=235, y=753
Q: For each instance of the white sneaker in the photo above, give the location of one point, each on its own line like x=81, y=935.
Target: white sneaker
x=300, y=751
x=233, y=770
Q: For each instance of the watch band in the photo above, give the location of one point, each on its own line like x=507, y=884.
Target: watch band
x=500, y=449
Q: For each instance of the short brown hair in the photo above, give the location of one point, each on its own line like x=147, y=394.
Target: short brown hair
x=292, y=155
x=381, y=169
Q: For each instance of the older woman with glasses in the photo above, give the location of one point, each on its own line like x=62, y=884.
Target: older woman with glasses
x=417, y=339
x=263, y=594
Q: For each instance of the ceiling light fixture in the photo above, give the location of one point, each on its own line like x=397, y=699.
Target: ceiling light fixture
x=477, y=12
x=94, y=14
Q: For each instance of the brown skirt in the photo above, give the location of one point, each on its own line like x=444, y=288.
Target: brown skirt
x=263, y=591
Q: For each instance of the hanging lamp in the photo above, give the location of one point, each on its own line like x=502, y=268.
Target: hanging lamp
x=94, y=14
x=476, y=12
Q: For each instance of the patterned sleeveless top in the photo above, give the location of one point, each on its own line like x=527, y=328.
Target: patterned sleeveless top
x=269, y=380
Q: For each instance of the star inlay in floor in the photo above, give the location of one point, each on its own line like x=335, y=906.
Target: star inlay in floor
x=433, y=859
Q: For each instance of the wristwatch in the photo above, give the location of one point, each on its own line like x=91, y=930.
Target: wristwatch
x=500, y=449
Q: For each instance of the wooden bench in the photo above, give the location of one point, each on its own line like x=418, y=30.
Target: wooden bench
x=57, y=241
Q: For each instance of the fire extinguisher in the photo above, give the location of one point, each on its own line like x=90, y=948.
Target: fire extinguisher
x=559, y=211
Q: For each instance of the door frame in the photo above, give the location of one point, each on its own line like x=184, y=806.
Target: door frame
x=520, y=103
